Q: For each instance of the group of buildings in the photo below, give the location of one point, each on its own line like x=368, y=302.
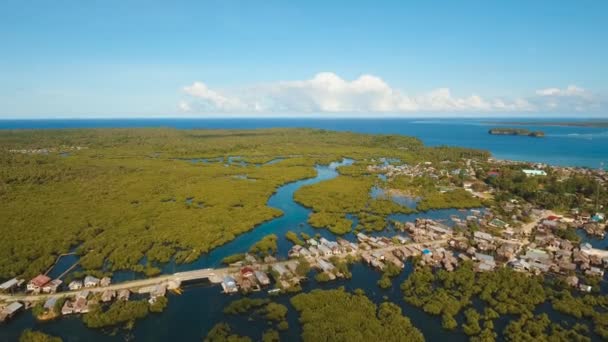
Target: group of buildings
x=248, y=278
x=542, y=250
x=549, y=252
x=73, y=303
x=61, y=149
x=424, y=169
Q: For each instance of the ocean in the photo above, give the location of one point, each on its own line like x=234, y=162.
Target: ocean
x=189, y=316
x=562, y=145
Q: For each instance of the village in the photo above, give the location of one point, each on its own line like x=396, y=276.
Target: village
x=482, y=238
x=434, y=243
x=80, y=295
x=513, y=233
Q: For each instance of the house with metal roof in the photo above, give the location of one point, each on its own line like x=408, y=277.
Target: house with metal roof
x=10, y=310
x=534, y=172
x=9, y=284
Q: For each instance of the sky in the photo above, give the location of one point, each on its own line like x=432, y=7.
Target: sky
x=107, y=59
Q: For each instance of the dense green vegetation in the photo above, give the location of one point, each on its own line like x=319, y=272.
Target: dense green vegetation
x=504, y=292
x=266, y=246
x=243, y=305
x=441, y=293
x=342, y=266
x=551, y=192
x=390, y=271
x=221, y=332
x=592, y=307
x=271, y=335
x=274, y=312
x=431, y=197
x=293, y=237
x=471, y=327
x=159, y=305
x=283, y=325
x=233, y=258
x=29, y=335
x=385, y=282
x=349, y=193
x=130, y=194
x=568, y=234
x=446, y=293
x=119, y=312
x=457, y=198
x=332, y=200
x=540, y=328
x=263, y=307
x=516, y=131
x=336, y=315
x=124, y=202
x=303, y=267
x=322, y=277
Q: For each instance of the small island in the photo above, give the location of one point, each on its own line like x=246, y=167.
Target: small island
x=516, y=131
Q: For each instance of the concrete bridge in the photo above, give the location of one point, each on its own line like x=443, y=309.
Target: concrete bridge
x=171, y=280
x=175, y=280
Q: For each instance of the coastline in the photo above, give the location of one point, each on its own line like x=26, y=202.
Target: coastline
x=427, y=170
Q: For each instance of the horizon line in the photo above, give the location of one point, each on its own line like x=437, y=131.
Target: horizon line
x=315, y=117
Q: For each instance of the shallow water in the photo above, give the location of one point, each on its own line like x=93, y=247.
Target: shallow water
x=406, y=201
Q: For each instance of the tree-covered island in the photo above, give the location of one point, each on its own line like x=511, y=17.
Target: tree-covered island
x=516, y=131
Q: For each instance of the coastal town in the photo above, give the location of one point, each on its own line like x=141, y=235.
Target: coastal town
x=505, y=230
x=477, y=235
x=315, y=171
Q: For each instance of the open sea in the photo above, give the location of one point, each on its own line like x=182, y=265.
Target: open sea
x=189, y=316
x=563, y=145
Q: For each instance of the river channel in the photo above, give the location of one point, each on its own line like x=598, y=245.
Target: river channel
x=189, y=316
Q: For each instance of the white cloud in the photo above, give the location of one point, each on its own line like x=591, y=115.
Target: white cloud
x=571, y=98
x=184, y=106
x=571, y=90
x=326, y=92
x=210, y=98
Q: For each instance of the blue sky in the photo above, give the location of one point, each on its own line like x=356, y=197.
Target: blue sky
x=303, y=58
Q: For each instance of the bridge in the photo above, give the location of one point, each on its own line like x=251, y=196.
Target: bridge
x=171, y=280
x=175, y=280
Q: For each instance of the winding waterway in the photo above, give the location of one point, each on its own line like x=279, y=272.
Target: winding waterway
x=294, y=218
x=189, y=316
x=199, y=308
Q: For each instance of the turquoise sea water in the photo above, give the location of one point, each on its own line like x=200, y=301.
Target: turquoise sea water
x=574, y=146
x=190, y=316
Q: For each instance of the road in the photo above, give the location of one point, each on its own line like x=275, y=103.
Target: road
x=187, y=276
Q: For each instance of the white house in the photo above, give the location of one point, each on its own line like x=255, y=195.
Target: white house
x=90, y=281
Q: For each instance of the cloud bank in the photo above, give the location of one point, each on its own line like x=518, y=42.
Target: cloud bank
x=326, y=92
